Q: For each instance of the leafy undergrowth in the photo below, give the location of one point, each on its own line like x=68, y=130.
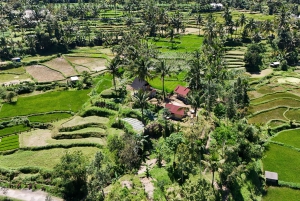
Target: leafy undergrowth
x=289, y=137
x=281, y=194
x=283, y=160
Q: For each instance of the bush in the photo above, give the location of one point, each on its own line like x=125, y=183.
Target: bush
x=78, y=127
x=127, y=112
x=95, y=111
x=109, y=93
x=106, y=104
x=123, y=125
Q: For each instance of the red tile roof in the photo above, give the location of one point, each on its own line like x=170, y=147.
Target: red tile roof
x=175, y=109
x=183, y=91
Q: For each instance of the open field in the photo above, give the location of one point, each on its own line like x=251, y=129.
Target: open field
x=9, y=143
x=264, y=117
x=13, y=129
x=275, y=103
x=49, y=117
x=61, y=65
x=103, y=82
x=43, y=158
x=80, y=69
x=289, y=137
x=77, y=120
x=281, y=194
x=17, y=71
x=42, y=137
x=283, y=160
x=50, y=101
x=44, y=74
x=12, y=78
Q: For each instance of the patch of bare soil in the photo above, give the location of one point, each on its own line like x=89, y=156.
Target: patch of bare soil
x=254, y=94
x=191, y=31
x=150, y=163
x=43, y=74
x=13, y=82
x=60, y=64
x=35, y=138
x=127, y=184
x=260, y=74
x=289, y=79
x=27, y=195
x=148, y=186
x=80, y=69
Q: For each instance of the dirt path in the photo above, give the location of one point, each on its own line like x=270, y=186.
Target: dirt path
x=262, y=73
x=27, y=195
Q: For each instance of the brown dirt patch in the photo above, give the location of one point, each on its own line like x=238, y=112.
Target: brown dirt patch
x=80, y=69
x=43, y=73
x=77, y=120
x=81, y=60
x=35, y=138
x=254, y=94
x=148, y=186
x=262, y=73
x=61, y=65
x=192, y=31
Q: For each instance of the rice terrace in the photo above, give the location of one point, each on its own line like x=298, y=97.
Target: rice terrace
x=149, y=100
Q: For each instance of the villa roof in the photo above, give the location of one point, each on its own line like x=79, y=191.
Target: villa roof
x=175, y=109
x=182, y=90
x=271, y=175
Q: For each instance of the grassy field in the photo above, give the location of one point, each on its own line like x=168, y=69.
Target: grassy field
x=289, y=137
x=49, y=117
x=281, y=194
x=13, y=77
x=85, y=120
x=275, y=123
x=43, y=158
x=103, y=82
x=59, y=100
x=85, y=130
x=264, y=117
x=13, y=129
x=186, y=43
x=9, y=143
x=285, y=161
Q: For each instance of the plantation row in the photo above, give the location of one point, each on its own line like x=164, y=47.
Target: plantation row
x=9, y=143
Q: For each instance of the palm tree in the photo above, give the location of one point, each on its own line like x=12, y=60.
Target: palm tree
x=199, y=21
x=268, y=27
x=211, y=163
x=140, y=98
x=243, y=20
x=164, y=70
x=141, y=68
x=113, y=68
x=195, y=100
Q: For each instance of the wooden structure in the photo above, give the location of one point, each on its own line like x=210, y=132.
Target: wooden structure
x=177, y=112
x=181, y=92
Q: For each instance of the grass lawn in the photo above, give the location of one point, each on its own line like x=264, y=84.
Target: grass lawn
x=11, y=77
x=289, y=137
x=274, y=96
x=77, y=120
x=104, y=82
x=186, y=43
x=20, y=70
x=264, y=117
x=275, y=103
x=285, y=161
x=49, y=117
x=13, y=129
x=281, y=194
x=58, y=100
x=43, y=158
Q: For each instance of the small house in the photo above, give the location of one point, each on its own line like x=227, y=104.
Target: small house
x=181, y=92
x=177, y=112
x=16, y=59
x=271, y=178
x=139, y=84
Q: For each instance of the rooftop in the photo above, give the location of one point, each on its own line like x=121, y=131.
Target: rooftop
x=175, y=109
x=271, y=175
x=182, y=90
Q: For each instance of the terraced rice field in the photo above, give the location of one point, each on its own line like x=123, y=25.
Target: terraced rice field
x=43, y=158
x=293, y=114
x=289, y=137
x=264, y=117
x=61, y=65
x=94, y=64
x=275, y=103
x=9, y=143
x=273, y=96
x=77, y=120
x=44, y=74
x=234, y=59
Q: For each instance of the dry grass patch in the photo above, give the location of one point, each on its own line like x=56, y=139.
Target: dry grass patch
x=43, y=73
x=13, y=79
x=254, y=94
x=60, y=64
x=81, y=60
x=94, y=64
x=80, y=69
x=293, y=114
x=77, y=120
x=264, y=117
x=275, y=123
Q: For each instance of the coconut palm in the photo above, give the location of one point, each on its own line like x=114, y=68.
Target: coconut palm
x=163, y=70
x=195, y=100
x=113, y=68
x=141, y=68
x=140, y=99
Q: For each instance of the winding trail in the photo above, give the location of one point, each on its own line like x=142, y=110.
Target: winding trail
x=27, y=195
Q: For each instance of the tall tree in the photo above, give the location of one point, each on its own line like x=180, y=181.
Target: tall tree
x=163, y=70
x=140, y=99
x=113, y=68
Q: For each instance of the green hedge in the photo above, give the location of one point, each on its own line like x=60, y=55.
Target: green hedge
x=65, y=146
x=128, y=112
x=78, y=135
x=289, y=184
x=107, y=104
x=121, y=124
x=96, y=111
x=78, y=127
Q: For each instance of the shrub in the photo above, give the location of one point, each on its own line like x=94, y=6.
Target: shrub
x=123, y=125
x=96, y=111
x=109, y=93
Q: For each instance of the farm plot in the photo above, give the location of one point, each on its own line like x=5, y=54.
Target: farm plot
x=44, y=74
x=293, y=114
x=42, y=137
x=275, y=123
x=274, y=103
x=9, y=143
x=12, y=130
x=80, y=69
x=267, y=89
x=273, y=96
x=283, y=160
x=43, y=158
x=17, y=71
x=81, y=133
x=281, y=193
x=77, y=121
x=50, y=101
x=49, y=117
x=94, y=64
x=289, y=137
x=61, y=65
x=266, y=116
x=13, y=79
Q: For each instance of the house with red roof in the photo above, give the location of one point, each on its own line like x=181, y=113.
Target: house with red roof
x=177, y=112
x=181, y=92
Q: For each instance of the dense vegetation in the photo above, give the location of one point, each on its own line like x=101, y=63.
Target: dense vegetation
x=74, y=139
